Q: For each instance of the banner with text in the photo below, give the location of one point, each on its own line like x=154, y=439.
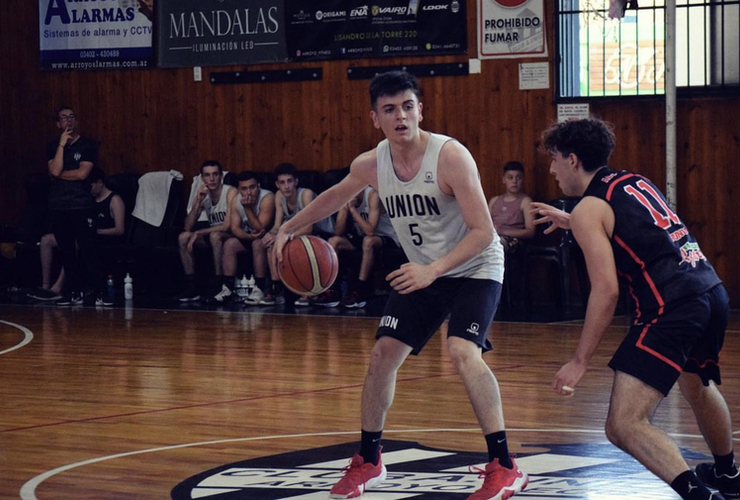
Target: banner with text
x=219, y=32
x=511, y=28
x=114, y=34
x=343, y=29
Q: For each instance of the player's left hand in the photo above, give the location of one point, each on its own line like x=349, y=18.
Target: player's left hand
x=568, y=377
x=548, y=213
x=411, y=277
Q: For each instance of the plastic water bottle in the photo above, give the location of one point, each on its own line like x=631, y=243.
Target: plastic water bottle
x=241, y=291
x=110, y=287
x=128, y=287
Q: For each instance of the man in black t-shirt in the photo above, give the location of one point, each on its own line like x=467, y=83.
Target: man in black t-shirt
x=71, y=158
x=625, y=227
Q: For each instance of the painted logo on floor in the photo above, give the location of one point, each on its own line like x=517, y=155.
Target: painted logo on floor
x=574, y=471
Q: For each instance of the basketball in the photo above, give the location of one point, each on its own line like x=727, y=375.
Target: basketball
x=309, y=265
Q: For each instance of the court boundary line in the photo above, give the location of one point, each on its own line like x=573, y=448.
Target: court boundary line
x=27, y=336
x=28, y=490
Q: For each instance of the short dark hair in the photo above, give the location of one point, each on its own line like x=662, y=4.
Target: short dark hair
x=590, y=139
x=211, y=163
x=62, y=108
x=513, y=165
x=96, y=174
x=245, y=176
x=392, y=83
x=285, y=169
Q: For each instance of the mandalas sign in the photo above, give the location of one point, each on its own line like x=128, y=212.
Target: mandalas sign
x=219, y=32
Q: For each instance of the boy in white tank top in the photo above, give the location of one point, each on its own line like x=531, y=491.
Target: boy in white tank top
x=431, y=189
x=214, y=199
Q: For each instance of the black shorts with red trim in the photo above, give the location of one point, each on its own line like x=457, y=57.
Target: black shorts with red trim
x=688, y=337
x=414, y=318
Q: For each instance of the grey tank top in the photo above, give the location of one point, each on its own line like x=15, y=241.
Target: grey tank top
x=428, y=222
x=256, y=209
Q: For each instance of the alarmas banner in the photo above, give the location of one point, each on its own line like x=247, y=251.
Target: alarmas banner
x=110, y=34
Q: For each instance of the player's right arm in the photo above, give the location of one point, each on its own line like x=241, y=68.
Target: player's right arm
x=362, y=173
x=197, y=208
x=236, y=220
x=56, y=164
x=592, y=222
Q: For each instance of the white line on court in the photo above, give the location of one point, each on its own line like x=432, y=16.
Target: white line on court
x=27, y=337
x=28, y=490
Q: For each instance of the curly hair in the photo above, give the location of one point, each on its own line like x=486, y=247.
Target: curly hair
x=590, y=139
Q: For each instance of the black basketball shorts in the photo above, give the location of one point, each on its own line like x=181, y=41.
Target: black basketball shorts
x=688, y=337
x=414, y=318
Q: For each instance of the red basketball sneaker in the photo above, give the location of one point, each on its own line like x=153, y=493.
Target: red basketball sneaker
x=358, y=476
x=499, y=483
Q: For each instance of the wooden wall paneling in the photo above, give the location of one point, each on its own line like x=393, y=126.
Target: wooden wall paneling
x=158, y=119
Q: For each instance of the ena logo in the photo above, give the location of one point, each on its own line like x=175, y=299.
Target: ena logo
x=359, y=11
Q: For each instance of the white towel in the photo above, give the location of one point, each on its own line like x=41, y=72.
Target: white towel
x=153, y=194
x=194, y=187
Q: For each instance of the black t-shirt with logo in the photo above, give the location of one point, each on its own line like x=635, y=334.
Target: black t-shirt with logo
x=66, y=194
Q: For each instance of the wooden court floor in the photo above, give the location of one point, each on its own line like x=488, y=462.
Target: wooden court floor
x=130, y=403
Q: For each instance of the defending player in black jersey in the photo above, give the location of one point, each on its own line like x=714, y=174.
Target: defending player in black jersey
x=625, y=227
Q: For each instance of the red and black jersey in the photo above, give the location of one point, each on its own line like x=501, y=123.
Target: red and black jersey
x=653, y=250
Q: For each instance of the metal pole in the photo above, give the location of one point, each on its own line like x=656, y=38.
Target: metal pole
x=670, y=101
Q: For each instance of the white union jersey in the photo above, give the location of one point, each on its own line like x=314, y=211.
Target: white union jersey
x=428, y=222
x=217, y=213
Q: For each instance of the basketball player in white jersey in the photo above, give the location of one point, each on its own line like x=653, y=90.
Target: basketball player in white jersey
x=430, y=187
x=252, y=214
x=214, y=199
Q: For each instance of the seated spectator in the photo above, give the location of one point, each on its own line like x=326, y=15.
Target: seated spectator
x=511, y=211
x=289, y=200
x=362, y=224
x=109, y=213
x=213, y=198
x=252, y=214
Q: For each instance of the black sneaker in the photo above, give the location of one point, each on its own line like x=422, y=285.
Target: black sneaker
x=328, y=298
x=354, y=300
x=729, y=486
x=188, y=295
x=103, y=299
x=70, y=299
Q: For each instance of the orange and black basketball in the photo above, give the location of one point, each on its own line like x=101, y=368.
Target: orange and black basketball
x=309, y=266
